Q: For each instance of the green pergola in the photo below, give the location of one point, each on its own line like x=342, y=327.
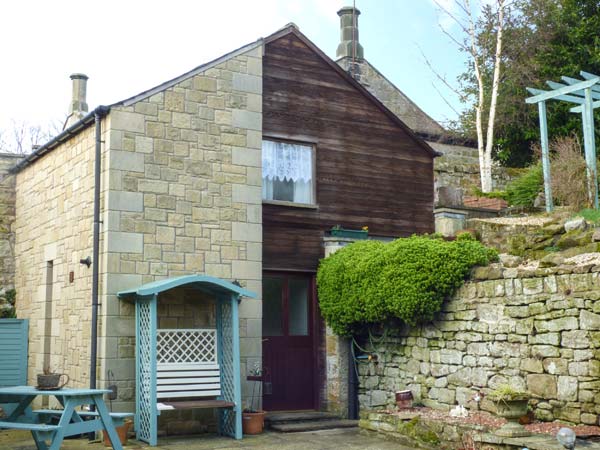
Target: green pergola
x=586, y=95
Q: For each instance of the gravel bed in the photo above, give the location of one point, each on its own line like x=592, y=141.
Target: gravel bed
x=525, y=220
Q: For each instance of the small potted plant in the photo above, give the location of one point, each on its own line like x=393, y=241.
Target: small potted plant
x=253, y=419
x=511, y=404
x=49, y=380
x=338, y=231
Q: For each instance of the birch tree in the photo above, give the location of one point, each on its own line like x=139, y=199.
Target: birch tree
x=471, y=19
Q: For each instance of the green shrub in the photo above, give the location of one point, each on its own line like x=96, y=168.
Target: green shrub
x=523, y=190
x=591, y=215
x=494, y=194
x=408, y=279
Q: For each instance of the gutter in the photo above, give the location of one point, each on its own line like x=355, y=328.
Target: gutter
x=64, y=136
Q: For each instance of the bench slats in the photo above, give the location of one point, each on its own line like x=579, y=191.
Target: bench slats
x=197, y=404
x=162, y=381
x=189, y=394
x=188, y=373
x=189, y=387
x=186, y=366
x=29, y=426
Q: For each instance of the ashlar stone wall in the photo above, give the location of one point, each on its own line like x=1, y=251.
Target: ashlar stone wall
x=184, y=197
x=537, y=330
x=54, y=225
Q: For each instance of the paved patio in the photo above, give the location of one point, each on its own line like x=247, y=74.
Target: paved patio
x=315, y=440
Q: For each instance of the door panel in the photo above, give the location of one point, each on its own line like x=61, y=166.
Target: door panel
x=288, y=338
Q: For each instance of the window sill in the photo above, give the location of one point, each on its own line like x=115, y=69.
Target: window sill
x=292, y=204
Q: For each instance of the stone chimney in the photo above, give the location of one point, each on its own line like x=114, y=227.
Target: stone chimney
x=78, y=107
x=349, y=45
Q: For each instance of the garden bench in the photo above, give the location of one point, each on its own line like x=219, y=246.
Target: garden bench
x=189, y=386
x=187, y=367
x=117, y=418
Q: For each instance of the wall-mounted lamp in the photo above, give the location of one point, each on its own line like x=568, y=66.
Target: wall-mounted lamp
x=87, y=261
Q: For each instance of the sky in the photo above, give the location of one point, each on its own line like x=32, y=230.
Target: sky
x=128, y=46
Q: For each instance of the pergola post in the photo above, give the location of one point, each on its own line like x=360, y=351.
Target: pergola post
x=545, y=156
x=235, y=325
x=589, y=141
x=146, y=412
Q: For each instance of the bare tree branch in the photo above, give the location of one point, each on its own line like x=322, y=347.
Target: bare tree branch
x=440, y=77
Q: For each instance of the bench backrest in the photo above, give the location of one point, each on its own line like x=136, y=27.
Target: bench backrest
x=189, y=380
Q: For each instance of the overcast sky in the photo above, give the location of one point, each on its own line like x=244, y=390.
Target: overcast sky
x=128, y=46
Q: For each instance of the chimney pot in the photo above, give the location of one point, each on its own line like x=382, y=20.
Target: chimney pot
x=78, y=107
x=349, y=46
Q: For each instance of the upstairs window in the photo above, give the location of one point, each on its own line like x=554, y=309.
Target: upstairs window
x=287, y=172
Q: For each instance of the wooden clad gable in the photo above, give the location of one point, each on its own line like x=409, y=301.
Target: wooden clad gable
x=371, y=170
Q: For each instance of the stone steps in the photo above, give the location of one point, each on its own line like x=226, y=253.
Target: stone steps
x=289, y=422
x=313, y=425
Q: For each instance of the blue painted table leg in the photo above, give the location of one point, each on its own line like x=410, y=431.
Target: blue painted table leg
x=24, y=402
x=107, y=422
x=39, y=443
x=65, y=419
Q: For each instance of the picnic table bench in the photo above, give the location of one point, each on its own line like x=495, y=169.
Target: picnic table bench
x=70, y=421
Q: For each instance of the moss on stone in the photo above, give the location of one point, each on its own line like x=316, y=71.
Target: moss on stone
x=416, y=430
x=575, y=238
x=517, y=244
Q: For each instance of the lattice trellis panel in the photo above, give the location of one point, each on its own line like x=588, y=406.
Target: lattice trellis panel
x=227, y=424
x=187, y=346
x=144, y=385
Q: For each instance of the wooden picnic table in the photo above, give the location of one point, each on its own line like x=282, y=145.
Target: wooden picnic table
x=71, y=422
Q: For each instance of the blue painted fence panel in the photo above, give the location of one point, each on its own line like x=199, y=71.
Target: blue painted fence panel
x=13, y=352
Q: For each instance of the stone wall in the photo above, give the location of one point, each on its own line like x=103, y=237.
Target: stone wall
x=537, y=330
x=184, y=196
x=53, y=231
x=7, y=235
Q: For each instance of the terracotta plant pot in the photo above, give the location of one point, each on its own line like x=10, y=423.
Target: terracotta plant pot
x=253, y=422
x=121, y=431
x=404, y=399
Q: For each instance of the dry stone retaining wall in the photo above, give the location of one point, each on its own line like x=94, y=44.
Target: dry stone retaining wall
x=534, y=329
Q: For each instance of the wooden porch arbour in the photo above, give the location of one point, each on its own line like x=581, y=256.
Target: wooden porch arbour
x=586, y=94
x=226, y=347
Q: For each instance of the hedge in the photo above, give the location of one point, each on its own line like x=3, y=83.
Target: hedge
x=371, y=282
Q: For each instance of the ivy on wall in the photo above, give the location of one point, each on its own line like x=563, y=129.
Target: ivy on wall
x=371, y=282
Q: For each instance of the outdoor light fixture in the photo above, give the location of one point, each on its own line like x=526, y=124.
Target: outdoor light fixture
x=87, y=261
x=566, y=438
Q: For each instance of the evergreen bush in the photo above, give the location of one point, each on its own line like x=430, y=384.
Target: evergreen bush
x=371, y=282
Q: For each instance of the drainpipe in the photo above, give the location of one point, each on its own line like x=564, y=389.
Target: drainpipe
x=99, y=113
x=352, y=383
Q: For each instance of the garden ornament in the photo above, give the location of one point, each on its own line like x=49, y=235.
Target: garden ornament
x=459, y=411
x=566, y=438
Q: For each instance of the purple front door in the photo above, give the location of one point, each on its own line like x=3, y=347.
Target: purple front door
x=289, y=358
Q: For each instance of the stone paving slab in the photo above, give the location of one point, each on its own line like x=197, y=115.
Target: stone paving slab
x=351, y=439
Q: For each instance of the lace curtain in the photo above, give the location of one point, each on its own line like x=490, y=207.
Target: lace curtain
x=284, y=163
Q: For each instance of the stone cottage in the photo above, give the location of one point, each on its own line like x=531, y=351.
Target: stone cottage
x=237, y=169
